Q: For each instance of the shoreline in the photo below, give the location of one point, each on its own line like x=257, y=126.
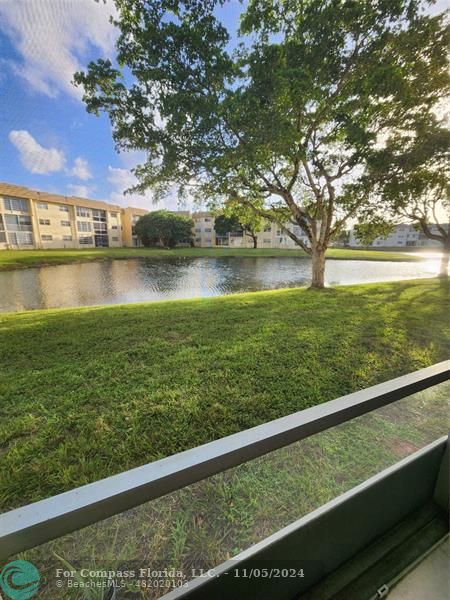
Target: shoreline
x=11, y=260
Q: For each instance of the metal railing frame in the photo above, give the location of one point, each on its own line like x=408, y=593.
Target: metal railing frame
x=29, y=526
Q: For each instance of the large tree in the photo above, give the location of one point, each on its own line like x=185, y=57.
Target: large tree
x=164, y=228
x=289, y=117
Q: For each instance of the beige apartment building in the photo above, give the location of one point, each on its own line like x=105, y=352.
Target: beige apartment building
x=34, y=219
x=129, y=218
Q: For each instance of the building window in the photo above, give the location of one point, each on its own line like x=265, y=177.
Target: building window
x=42, y=206
x=222, y=240
x=268, y=227
x=18, y=223
x=15, y=204
x=86, y=240
x=114, y=227
x=63, y=208
x=266, y=241
x=21, y=238
x=83, y=226
x=65, y=223
x=67, y=238
x=99, y=227
x=113, y=215
x=115, y=239
x=207, y=220
x=44, y=221
x=208, y=229
x=46, y=238
x=83, y=212
x=2, y=237
x=99, y=216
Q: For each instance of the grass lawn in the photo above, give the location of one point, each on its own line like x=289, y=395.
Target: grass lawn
x=90, y=392
x=15, y=259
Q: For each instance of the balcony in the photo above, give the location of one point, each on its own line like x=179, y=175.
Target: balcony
x=381, y=537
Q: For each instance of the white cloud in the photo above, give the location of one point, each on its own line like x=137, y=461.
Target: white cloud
x=40, y=160
x=81, y=169
x=83, y=191
x=55, y=38
x=123, y=179
x=35, y=157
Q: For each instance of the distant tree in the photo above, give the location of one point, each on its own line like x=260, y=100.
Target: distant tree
x=224, y=225
x=366, y=231
x=250, y=220
x=290, y=117
x=239, y=218
x=164, y=228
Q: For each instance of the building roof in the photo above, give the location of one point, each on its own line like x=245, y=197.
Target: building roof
x=136, y=211
x=9, y=189
x=202, y=213
x=20, y=191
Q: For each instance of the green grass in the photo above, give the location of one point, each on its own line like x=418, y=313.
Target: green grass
x=206, y=523
x=90, y=392
x=15, y=259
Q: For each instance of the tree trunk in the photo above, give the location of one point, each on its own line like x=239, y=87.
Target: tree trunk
x=255, y=241
x=443, y=272
x=318, y=268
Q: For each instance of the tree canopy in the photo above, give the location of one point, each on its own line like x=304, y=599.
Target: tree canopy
x=223, y=225
x=236, y=216
x=410, y=177
x=164, y=228
x=285, y=123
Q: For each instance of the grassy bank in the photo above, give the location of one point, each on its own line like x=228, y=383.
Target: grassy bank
x=90, y=392
x=16, y=259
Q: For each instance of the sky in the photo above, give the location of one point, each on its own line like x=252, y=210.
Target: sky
x=48, y=141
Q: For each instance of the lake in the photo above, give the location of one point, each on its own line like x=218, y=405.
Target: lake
x=143, y=279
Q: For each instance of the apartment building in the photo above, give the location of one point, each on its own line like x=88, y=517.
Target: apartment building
x=204, y=232
x=404, y=235
x=129, y=218
x=271, y=237
x=32, y=219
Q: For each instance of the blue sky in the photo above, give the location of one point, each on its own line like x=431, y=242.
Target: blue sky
x=47, y=139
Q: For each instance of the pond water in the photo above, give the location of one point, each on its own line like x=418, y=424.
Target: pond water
x=142, y=279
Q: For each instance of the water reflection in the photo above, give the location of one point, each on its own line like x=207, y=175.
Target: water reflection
x=142, y=279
